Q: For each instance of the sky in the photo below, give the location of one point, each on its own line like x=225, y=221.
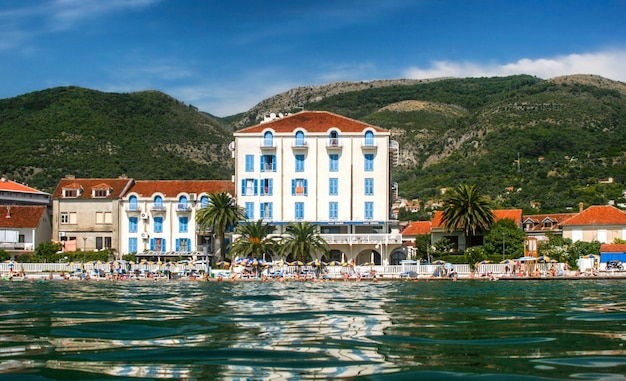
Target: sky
x=225, y=56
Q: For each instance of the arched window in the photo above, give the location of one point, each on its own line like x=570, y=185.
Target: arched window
x=369, y=138
x=182, y=202
x=158, y=201
x=132, y=203
x=299, y=138
x=268, y=139
x=333, y=138
x=204, y=201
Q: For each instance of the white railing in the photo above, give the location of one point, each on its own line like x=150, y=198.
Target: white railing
x=355, y=239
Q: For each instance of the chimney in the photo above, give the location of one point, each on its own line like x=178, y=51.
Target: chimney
x=581, y=207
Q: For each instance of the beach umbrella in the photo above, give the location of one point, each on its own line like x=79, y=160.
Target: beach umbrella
x=223, y=264
x=439, y=262
x=544, y=258
x=592, y=256
x=484, y=262
x=336, y=263
x=296, y=263
x=507, y=262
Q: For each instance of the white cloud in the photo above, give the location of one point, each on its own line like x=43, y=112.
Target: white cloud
x=608, y=64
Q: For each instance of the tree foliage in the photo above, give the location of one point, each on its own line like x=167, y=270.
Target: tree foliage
x=467, y=209
x=221, y=213
x=300, y=239
x=254, y=240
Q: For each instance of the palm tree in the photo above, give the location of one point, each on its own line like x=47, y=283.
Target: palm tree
x=300, y=239
x=468, y=210
x=254, y=240
x=221, y=213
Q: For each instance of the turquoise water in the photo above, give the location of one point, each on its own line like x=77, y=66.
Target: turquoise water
x=71, y=330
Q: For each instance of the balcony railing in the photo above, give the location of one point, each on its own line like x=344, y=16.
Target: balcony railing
x=182, y=207
x=369, y=144
x=158, y=208
x=365, y=239
x=333, y=144
x=300, y=145
x=133, y=208
x=17, y=246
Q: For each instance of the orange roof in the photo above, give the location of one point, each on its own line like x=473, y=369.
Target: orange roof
x=598, y=215
x=118, y=186
x=20, y=216
x=498, y=214
x=538, y=219
x=312, y=121
x=172, y=188
x=613, y=248
x=417, y=228
x=12, y=186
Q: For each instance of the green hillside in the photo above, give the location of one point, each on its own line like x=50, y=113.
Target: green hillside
x=145, y=135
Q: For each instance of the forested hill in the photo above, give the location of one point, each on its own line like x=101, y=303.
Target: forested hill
x=523, y=140
x=48, y=134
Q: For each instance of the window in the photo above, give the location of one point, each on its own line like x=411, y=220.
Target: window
x=158, y=224
x=266, y=210
x=249, y=211
x=183, y=224
x=299, y=187
x=249, y=163
x=182, y=244
x=104, y=218
x=369, y=210
x=204, y=201
x=333, y=162
x=182, y=203
x=369, y=162
x=132, y=245
x=268, y=139
x=268, y=163
x=100, y=193
x=249, y=187
x=103, y=243
x=70, y=193
x=158, y=203
x=369, y=138
x=333, y=139
x=300, y=139
x=299, y=163
x=132, y=224
x=157, y=244
x=333, y=208
x=333, y=186
x=369, y=186
x=267, y=186
x=65, y=218
x=299, y=211
x=132, y=203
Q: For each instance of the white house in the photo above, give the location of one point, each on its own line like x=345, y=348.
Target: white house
x=325, y=169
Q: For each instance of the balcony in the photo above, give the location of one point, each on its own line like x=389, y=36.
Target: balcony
x=300, y=146
x=369, y=145
x=158, y=208
x=24, y=246
x=363, y=239
x=132, y=208
x=334, y=144
x=183, y=208
x=268, y=145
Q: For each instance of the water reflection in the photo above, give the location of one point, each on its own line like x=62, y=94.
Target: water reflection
x=186, y=330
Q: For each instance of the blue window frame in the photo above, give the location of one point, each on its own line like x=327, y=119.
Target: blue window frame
x=204, y=201
x=249, y=163
x=132, y=203
x=132, y=245
x=299, y=187
x=268, y=139
x=132, y=224
x=333, y=139
x=158, y=202
x=369, y=162
x=249, y=187
x=158, y=224
x=369, y=210
x=249, y=210
x=267, y=187
x=369, y=138
x=299, y=163
x=299, y=211
x=182, y=244
x=369, y=186
x=333, y=164
x=158, y=244
x=183, y=224
x=266, y=210
x=333, y=210
x=333, y=186
x=268, y=163
x=182, y=203
x=299, y=138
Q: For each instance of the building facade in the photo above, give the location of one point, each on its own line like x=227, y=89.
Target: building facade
x=325, y=169
x=22, y=228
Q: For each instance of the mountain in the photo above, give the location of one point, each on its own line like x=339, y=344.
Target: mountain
x=526, y=142
x=48, y=134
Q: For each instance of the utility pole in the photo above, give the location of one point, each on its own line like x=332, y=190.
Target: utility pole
x=503, y=246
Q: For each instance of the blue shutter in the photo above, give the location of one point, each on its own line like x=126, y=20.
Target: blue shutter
x=271, y=187
x=164, y=245
x=306, y=187
x=261, y=163
x=271, y=213
x=243, y=187
x=273, y=163
x=293, y=187
x=177, y=244
x=152, y=243
x=256, y=187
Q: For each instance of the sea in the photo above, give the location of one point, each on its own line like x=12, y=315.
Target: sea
x=248, y=330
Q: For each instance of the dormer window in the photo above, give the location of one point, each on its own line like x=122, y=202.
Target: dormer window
x=100, y=193
x=70, y=193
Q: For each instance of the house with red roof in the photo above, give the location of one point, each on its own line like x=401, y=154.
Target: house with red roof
x=457, y=236
x=325, y=169
x=410, y=233
x=603, y=223
x=14, y=193
x=539, y=225
x=23, y=228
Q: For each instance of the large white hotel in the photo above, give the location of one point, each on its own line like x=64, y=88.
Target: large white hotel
x=326, y=169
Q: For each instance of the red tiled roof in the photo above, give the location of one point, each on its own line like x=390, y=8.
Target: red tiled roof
x=21, y=216
x=498, y=214
x=118, y=187
x=12, y=186
x=613, y=248
x=417, y=228
x=538, y=220
x=312, y=121
x=172, y=188
x=598, y=215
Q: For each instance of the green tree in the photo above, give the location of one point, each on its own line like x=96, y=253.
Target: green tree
x=254, y=240
x=505, y=239
x=475, y=255
x=221, y=213
x=300, y=239
x=467, y=209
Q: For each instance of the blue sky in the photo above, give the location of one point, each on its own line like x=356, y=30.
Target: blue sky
x=226, y=56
